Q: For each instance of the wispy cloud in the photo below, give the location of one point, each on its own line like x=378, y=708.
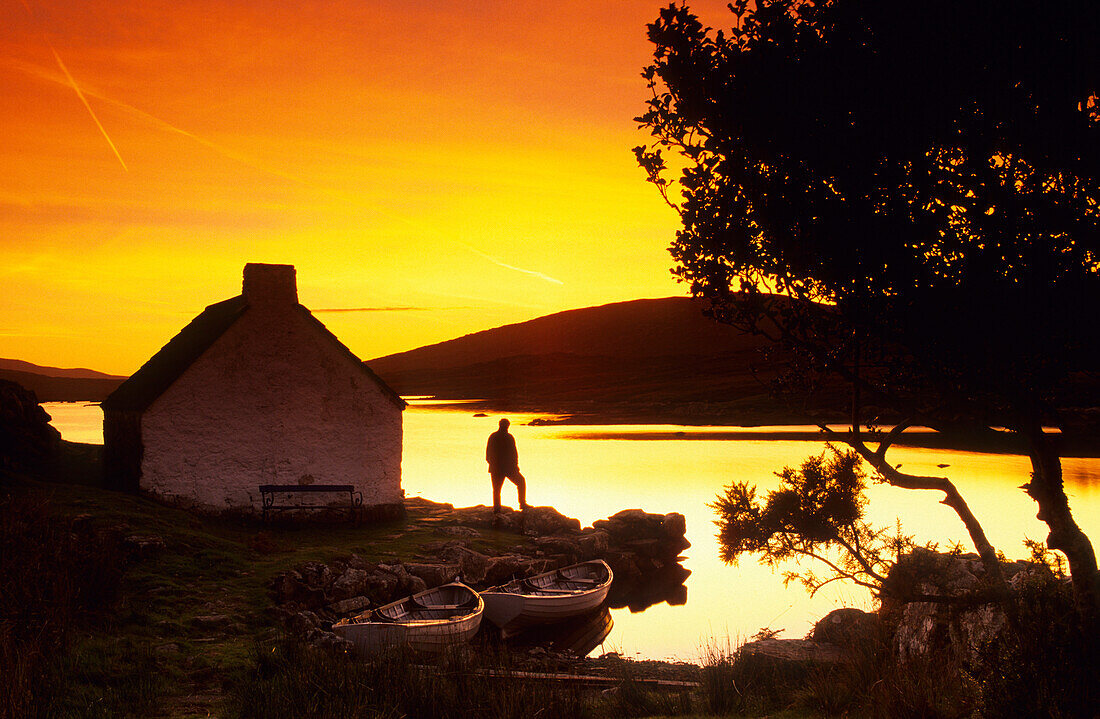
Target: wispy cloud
x=386, y=309
x=500, y=263
x=76, y=88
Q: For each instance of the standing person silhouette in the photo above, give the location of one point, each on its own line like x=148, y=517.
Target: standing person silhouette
x=503, y=459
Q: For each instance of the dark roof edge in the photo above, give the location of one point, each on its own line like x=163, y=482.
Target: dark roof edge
x=386, y=389
x=172, y=360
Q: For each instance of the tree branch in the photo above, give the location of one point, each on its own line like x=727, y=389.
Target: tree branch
x=952, y=499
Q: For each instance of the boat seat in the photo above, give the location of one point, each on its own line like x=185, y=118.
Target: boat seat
x=579, y=580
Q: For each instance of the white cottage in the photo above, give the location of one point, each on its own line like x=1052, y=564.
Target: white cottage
x=255, y=390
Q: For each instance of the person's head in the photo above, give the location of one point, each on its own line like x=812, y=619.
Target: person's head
x=504, y=423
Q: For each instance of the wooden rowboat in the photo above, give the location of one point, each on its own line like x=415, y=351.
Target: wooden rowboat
x=549, y=597
x=429, y=621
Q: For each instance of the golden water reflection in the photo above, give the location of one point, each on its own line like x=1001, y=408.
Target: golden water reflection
x=590, y=478
x=593, y=478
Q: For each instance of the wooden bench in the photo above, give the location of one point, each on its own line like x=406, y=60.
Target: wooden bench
x=269, y=492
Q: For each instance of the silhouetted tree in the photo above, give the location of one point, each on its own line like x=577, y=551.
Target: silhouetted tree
x=816, y=513
x=908, y=194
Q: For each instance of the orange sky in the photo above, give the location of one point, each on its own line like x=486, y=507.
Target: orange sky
x=460, y=165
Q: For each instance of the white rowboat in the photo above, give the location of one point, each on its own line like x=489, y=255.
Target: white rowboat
x=429, y=621
x=549, y=597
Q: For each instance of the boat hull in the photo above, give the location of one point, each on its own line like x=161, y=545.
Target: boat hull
x=430, y=621
x=549, y=597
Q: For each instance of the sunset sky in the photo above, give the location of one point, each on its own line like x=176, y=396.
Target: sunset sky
x=441, y=167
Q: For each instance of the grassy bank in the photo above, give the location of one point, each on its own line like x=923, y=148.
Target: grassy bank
x=112, y=605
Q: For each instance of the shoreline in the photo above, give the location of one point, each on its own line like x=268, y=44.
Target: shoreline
x=741, y=428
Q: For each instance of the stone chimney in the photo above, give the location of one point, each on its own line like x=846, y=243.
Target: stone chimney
x=266, y=285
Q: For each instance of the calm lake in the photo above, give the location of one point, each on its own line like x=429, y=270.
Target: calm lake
x=591, y=472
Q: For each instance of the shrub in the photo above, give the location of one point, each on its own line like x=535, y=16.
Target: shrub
x=1044, y=663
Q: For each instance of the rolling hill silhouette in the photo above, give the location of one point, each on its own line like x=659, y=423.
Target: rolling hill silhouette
x=54, y=384
x=659, y=357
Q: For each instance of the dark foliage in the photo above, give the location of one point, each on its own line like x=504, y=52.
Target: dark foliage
x=1045, y=663
x=817, y=513
x=909, y=195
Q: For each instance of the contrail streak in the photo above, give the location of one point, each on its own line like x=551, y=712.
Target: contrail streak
x=506, y=266
x=83, y=99
x=75, y=87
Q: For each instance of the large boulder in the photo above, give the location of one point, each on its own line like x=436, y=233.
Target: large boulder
x=961, y=619
x=434, y=574
x=472, y=566
x=26, y=436
x=786, y=652
x=316, y=575
x=352, y=583
x=406, y=583
x=852, y=629
x=291, y=588
x=653, y=536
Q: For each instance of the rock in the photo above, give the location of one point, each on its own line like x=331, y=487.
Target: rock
x=674, y=525
x=592, y=544
x=316, y=575
x=331, y=643
x=434, y=575
x=406, y=583
x=849, y=629
x=302, y=622
x=287, y=587
x=353, y=582
x=506, y=568
x=542, y=521
x=630, y=516
x=349, y=606
x=26, y=436
x=949, y=630
x=290, y=587
x=559, y=544
x=785, y=652
x=654, y=536
x=472, y=565
x=624, y=565
x=381, y=587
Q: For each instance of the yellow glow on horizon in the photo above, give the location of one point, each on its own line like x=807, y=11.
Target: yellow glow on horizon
x=449, y=158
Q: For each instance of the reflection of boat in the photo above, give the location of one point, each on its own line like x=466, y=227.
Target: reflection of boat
x=428, y=621
x=579, y=635
x=549, y=597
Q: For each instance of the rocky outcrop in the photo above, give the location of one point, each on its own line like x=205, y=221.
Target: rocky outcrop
x=786, y=652
x=850, y=629
x=641, y=549
x=960, y=616
x=26, y=436
x=841, y=636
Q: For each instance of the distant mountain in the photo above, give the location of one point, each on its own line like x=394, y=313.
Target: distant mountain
x=54, y=384
x=659, y=358
x=76, y=373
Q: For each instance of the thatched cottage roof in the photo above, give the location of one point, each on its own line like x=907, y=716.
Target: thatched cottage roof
x=163, y=368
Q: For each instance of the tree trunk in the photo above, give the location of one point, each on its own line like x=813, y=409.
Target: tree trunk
x=1047, y=490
